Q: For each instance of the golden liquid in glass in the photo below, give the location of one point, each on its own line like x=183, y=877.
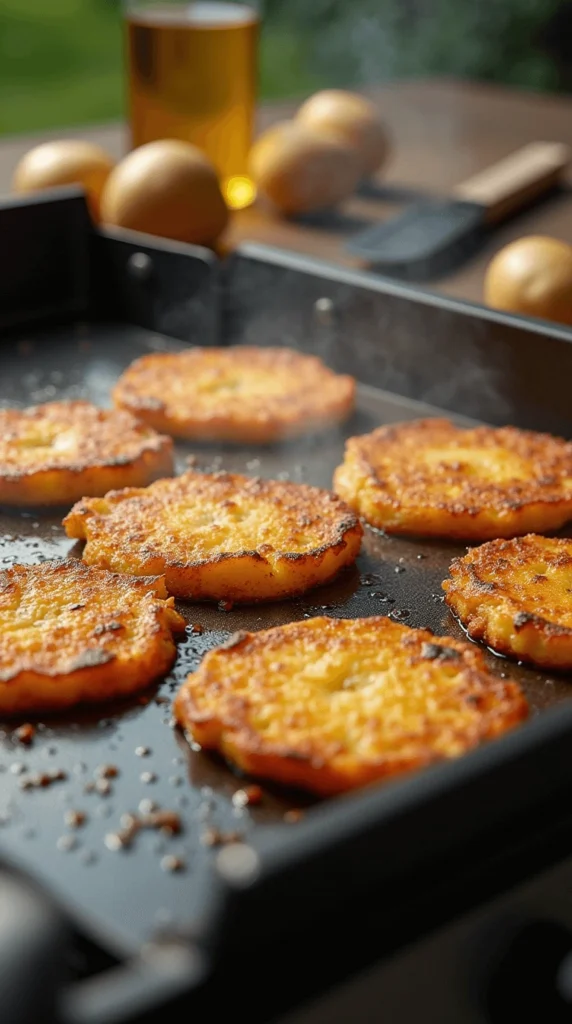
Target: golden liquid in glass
x=192, y=76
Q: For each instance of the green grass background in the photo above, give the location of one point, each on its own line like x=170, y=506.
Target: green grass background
x=61, y=64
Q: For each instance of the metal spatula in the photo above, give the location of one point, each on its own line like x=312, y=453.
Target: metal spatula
x=433, y=233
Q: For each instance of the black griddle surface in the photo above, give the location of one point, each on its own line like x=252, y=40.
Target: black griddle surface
x=126, y=896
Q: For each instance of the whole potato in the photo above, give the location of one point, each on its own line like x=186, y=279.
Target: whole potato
x=352, y=118
x=532, y=276
x=65, y=162
x=300, y=171
x=167, y=188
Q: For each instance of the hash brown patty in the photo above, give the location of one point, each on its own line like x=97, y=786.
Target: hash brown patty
x=431, y=478
x=333, y=704
x=516, y=596
x=56, y=453
x=220, y=536
x=243, y=394
x=70, y=633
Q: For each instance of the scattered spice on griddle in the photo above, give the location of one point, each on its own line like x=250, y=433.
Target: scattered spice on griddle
x=399, y=568
x=293, y=815
x=75, y=819
x=103, y=787
x=142, y=751
x=169, y=822
x=66, y=843
x=247, y=797
x=106, y=771
x=41, y=780
x=148, y=777
x=24, y=734
x=162, y=700
x=215, y=837
x=89, y=787
x=175, y=780
x=172, y=863
x=420, y=557
x=147, y=806
x=17, y=767
x=225, y=606
x=197, y=628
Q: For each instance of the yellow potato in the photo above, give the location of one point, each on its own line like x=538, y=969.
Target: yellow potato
x=532, y=276
x=65, y=162
x=167, y=188
x=352, y=118
x=300, y=170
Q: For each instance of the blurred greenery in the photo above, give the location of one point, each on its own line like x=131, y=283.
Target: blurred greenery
x=61, y=60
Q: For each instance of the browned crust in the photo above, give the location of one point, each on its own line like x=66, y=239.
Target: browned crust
x=276, y=703
x=514, y=595
x=70, y=633
x=430, y=477
x=243, y=394
x=190, y=528
x=56, y=453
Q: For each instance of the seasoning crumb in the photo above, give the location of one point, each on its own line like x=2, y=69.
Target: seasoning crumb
x=103, y=787
x=148, y=777
x=248, y=796
x=293, y=815
x=162, y=700
x=66, y=843
x=215, y=837
x=225, y=606
x=114, y=841
x=75, y=819
x=106, y=771
x=17, y=767
x=89, y=787
x=197, y=628
x=142, y=751
x=171, y=863
x=25, y=733
x=41, y=780
x=147, y=806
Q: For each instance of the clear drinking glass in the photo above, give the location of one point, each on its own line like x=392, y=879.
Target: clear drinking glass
x=192, y=74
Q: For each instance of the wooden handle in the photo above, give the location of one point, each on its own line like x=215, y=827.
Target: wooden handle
x=516, y=180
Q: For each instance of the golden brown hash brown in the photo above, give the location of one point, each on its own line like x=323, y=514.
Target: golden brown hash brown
x=431, y=478
x=332, y=704
x=56, y=453
x=516, y=596
x=242, y=394
x=69, y=633
x=220, y=536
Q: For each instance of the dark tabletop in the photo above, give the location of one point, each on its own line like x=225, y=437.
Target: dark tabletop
x=442, y=131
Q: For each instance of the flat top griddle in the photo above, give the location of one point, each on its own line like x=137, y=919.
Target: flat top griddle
x=127, y=894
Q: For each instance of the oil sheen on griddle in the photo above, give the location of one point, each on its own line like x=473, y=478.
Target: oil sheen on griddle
x=192, y=76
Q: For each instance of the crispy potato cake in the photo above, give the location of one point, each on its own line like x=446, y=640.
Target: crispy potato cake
x=56, y=453
x=220, y=536
x=243, y=394
x=69, y=634
x=516, y=596
x=431, y=478
x=332, y=704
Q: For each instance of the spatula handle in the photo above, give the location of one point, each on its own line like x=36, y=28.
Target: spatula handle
x=516, y=180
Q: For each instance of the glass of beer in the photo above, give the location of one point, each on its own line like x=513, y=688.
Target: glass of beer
x=192, y=70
